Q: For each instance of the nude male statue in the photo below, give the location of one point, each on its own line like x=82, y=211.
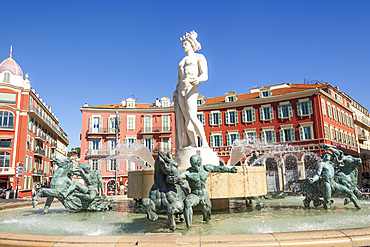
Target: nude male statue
x=196, y=176
x=192, y=70
x=92, y=179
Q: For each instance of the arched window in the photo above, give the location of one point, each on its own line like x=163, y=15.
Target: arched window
x=6, y=119
x=4, y=159
x=6, y=77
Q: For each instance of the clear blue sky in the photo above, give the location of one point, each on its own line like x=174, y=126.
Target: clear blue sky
x=100, y=52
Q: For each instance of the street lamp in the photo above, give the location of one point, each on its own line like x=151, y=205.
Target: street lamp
x=117, y=121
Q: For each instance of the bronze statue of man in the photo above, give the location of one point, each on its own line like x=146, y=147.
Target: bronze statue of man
x=196, y=176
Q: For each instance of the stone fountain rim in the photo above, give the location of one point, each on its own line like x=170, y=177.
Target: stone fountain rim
x=342, y=237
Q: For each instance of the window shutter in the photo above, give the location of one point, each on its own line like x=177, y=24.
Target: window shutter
x=269, y=93
x=108, y=165
x=323, y=107
x=273, y=135
x=292, y=134
x=244, y=135
x=221, y=140
x=329, y=110
x=100, y=144
x=219, y=118
x=99, y=165
x=109, y=124
x=280, y=111
x=211, y=141
x=151, y=144
x=234, y=98
x=243, y=116
x=228, y=140
x=100, y=124
x=290, y=110
x=255, y=135
x=263, y=137
x=282, y=139
x=271, y=112
x=238, y=136
x=299, y=108
x=261, y=95
x=90, y=145
x=203, y=119
x=90, y=123
x=125, y=142
x=262, y=116
x=253, y=115
x=309, y=104
x=226, y=99
x=211, y=119
x=227, y=117
x=236, y=117
x=301, y=134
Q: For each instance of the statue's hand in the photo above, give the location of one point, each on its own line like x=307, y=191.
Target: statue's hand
x=234, y=170
x=311, y=181
x=194, y=81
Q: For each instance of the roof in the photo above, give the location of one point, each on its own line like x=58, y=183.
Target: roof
x=293, y=87
x=11, y=65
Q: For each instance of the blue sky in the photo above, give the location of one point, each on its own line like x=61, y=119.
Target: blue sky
x=100, y=52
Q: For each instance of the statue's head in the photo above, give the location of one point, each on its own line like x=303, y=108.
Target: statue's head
x=85, y=167
x=189, y=41
x=196, y=161
x=327, y=156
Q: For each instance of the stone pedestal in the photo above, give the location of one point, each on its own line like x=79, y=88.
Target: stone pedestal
x=182, y=156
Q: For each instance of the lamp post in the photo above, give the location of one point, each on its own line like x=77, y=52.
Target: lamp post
x=117, y=120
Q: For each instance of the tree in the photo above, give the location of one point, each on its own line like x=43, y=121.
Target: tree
x=76, y=150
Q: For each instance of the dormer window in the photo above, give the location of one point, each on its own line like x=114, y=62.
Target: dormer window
x=264, y=94
x=6, y=77
x=130, y=103
x=230, y=96
x=166, y=102
x=200, y=100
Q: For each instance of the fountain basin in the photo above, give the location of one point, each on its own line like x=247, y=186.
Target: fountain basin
x=282, y=221
x=248, y=181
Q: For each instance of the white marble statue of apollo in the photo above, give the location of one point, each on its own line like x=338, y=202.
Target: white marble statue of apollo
x=192, y=70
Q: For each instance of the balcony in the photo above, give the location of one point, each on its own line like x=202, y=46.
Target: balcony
x=37, y=172
x=39, y=152
x=156, y=130
x=54, y=145
x=101, y=131
x=91, y=153
x=362, y=137
x=40, y=137
x=36, y=112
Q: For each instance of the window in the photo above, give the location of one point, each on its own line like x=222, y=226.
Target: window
x=265, y=94
x=4, y=159
x=323, y=107
x=131, y=122
x=200, y=102
x=216, y=140
x=31, y=163
x=230, y=98
x=335, y=116
x=149, y=143
x=111, y=164
x=24, y=182
x=165, y=123
x=165, y=103
x=285, y=111
x=32, y=144
x=130, y=165
x=96, y=124
x=5, y=143
x=7, y=98
x=95, y=143
x=6, y=120
x=147, y=124
x=305, y=133
x=231, y=117
x=112, y=122
x=248, y=115
x=94, y=164
x=268, y=136
x=287, y=135
x=330, y=113
x=111, y=146
x=26, y=163
x=339, y=116
x=130, y=140
x=215, y=118
x=166, y=145
x=201, y=118
x=327, y=133
x=266, y=113
x=6, y=77
x=250, y=136
x=231, y=137
x=304, y=108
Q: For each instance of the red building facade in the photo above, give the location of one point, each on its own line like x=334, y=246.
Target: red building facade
x=302, y=115
x=29, y=132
